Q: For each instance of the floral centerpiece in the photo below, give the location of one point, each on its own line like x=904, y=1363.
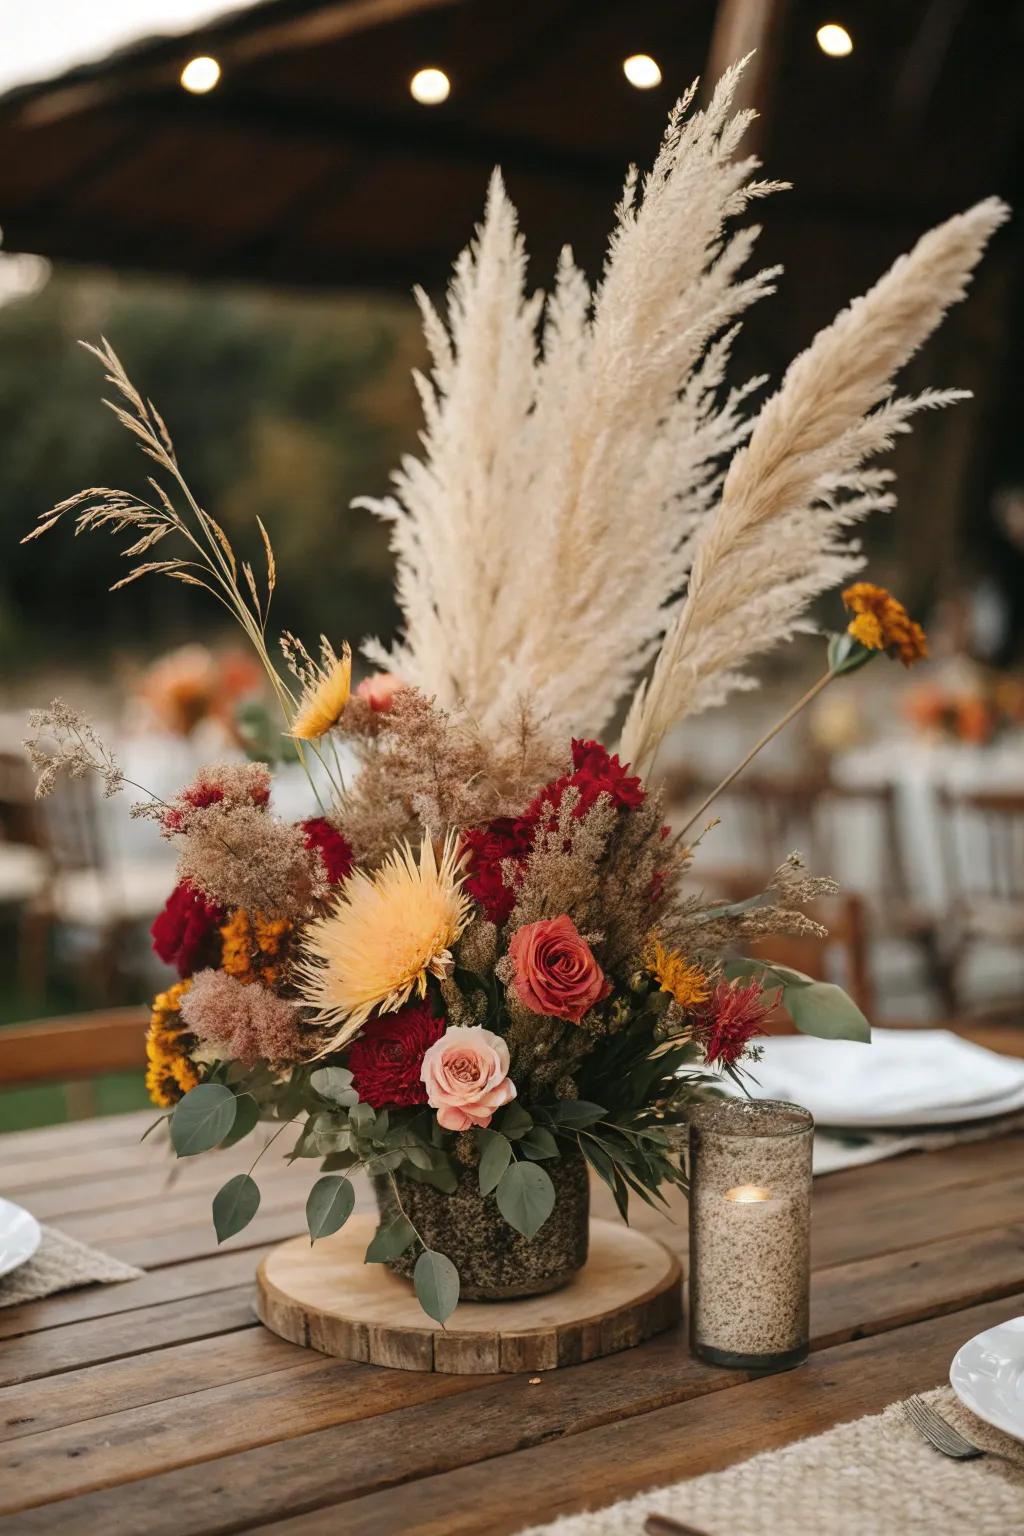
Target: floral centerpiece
x=480, y=970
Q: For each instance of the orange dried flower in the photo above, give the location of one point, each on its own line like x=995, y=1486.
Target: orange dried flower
x=687, y=983
x=881, y=623
x=254, y=946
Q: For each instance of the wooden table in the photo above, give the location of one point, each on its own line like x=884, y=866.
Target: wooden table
x=161, y=1405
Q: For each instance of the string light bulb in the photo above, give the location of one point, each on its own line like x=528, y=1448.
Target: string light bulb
x=642, y=71
x=430, y=87
x=834, y=40
x=200, y=75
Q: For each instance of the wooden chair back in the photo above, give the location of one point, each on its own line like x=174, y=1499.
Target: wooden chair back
x=74, y=1051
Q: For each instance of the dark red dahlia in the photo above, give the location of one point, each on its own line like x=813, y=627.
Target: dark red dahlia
x=332, y=847
x=386, y=1059
x=736, y=1014
x=595, y=773
x=185, y=933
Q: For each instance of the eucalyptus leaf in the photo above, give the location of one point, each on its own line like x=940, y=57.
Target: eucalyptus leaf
x=234, y=1205
x=526, y=1197
x=247, y=1118
x=330, y=1204
x=390, y=1239
x=495, y=1156
x=418, y=1155
x=825, y=1010
x=362, y=1119
x=202, y=1119
x=334, y=1084
x=436, y=1282
x=514, y=1121
x=539, y=1143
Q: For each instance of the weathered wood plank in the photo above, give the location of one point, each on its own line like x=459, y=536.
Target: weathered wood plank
x=57, y=1350
x=358, y=1454
x=195, y=1426
x=613, y=1461
x=199, y=1278
x=66, y=1398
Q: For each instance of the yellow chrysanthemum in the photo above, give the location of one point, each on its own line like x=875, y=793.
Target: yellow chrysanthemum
x=881, y=623
x=687, y=983
x=170, y=1072
x=325, y=695
x=385, y=935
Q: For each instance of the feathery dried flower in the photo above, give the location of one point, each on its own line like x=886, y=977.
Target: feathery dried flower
x=881, y=623
x=240, y=1021
x=383, y=937
x=64, y=741
x=736, y=1016
x=241, y=856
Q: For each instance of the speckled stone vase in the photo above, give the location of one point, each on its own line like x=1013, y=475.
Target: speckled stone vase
x=494, y=1261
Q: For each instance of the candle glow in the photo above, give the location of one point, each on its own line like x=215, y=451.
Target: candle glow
x=748, y=1194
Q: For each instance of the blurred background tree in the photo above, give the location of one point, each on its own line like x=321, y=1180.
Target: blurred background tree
x=279, y=407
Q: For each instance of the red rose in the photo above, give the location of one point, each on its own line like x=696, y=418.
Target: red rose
x=332, y=847
x=184, y=932
x=386, y=1059
x=555, y=971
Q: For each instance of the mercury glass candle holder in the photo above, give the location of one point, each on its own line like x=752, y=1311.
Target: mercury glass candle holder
x=750, y=1228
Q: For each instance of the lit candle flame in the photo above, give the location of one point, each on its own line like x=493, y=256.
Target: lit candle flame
x=748, y=1194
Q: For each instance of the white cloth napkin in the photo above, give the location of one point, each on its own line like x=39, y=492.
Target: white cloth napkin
x=905, y=1077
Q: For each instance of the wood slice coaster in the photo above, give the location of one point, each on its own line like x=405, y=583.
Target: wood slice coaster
x=327, y=1298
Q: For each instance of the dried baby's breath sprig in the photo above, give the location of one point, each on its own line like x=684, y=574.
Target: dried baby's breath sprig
x=63, y=741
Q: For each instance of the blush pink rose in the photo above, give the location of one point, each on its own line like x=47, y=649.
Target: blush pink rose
x=555, y=970
x=379, y=690
x=466, y=1076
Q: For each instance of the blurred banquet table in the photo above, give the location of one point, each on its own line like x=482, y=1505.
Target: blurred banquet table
x=918, y=769
x=162, y=1406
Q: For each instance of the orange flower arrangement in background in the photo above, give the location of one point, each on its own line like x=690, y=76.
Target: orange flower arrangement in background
x=881, y=623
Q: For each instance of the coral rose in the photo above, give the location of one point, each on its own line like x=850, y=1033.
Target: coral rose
x=466, y=1077
x=555, y=970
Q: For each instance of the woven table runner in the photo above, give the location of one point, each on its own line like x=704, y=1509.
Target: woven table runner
x=875, y=1476
x=59, y=1264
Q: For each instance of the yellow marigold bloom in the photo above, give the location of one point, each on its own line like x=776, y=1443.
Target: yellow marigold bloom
x=325, y=695
x=253, y=946
x=881, y=623
x=386, y=933
x=170, y=1072
x=687, y=983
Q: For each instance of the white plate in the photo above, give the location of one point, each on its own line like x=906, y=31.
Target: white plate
x=987, y=1376
x=19, y=1236
x=905, y=1077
